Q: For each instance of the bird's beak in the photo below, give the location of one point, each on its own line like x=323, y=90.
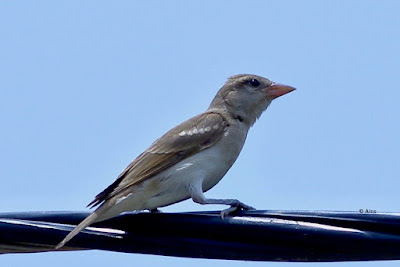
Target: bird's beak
x=277, y=90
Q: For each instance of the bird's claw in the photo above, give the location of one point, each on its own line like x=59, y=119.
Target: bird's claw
x=235, y=208
x=155, y=211
x=246, y=207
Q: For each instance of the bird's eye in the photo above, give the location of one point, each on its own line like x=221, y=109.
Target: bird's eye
x=254, y=82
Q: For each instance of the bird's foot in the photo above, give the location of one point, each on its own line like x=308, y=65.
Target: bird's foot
x=237, y=206
x=155, y=211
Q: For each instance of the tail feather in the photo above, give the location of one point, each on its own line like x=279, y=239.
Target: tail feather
x=85, y=223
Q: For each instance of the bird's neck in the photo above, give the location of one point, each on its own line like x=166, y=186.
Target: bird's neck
x=232, y=117
x=243, y=114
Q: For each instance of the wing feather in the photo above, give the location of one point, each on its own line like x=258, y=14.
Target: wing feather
x=186, y=139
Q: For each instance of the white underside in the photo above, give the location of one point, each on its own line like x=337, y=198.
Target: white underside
x=174, y=184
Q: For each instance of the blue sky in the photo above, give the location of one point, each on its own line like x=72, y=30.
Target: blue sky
x=87, y=86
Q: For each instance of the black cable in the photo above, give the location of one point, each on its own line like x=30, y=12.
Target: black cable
x=304, y=236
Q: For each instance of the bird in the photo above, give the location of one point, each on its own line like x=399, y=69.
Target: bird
x=191, y=158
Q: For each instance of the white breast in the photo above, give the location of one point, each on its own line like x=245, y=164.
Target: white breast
x=220, y=158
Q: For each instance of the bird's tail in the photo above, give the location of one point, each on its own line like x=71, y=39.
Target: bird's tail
x=97, y=215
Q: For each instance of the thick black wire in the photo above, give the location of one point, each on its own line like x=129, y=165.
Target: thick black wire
x=303, y=236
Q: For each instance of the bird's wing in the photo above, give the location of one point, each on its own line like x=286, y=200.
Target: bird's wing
x=186, y=139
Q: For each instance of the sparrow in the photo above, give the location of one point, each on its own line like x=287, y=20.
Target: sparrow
x=190, y=158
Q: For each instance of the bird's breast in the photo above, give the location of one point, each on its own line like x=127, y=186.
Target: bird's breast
x=212, y=163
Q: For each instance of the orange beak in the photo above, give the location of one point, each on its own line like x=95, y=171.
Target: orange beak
x=277, y=90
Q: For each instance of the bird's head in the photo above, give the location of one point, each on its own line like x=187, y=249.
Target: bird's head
x=246, y=96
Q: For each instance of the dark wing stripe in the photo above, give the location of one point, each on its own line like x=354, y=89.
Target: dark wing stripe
x=103, y=194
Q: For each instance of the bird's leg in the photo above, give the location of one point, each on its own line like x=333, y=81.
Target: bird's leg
x=235, y=205
x=197, y=196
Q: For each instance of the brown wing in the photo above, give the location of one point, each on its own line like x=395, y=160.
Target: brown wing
x=186, y=139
